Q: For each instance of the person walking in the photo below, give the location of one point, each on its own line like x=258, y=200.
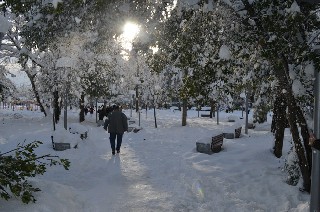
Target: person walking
x=315, y=143
x=118, y=124
x=91, y=109
x=101, y=114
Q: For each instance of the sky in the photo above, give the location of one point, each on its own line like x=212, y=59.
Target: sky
x=158, y=169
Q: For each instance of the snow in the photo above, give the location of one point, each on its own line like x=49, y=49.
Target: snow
x=297, y=88
x=4, y=24
x=294, y=8
x=158, y=169
x=224, y=52
x=65, y=62
x=78, y=20
x=55, y=3
x=309, y=70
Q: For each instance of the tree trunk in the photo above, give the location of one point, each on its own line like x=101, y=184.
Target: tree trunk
x=35, y=91
x=184, y=112
x=260, y=113
x=56, y=107
x=154, y=115
x=281, y=74
x=147, y=110
x=303, y=163
x=137, y=100
x=279, y=124
x=213, y=108
x=81, y=114
x=304, y=130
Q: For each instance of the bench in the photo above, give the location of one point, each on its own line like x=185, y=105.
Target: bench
x=79, y=129
x=132, y=122
x=134, y=129
x=228, y=135
x=217, y=142
x=205, y=115
x=237, y=132
x=251, y=126
x=60, y=146
x=204, y=147
x=84, y=135
x=210, y=147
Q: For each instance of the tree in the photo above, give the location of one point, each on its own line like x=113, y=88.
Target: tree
x=7, y=88
x=17, y=165
x=28, y=36
x=281, y=32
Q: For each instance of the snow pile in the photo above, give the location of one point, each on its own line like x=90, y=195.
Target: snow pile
x=77, y=128
x=60, y=135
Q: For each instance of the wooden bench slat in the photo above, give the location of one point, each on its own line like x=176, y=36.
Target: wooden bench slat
x=61, y=146
x=204, y=148
x=212, y=147
x=217, y=142
x=237, y=132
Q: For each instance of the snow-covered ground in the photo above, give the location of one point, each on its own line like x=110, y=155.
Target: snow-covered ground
x=158, y=169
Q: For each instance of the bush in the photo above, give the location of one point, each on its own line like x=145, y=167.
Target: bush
x=19, y=164
x=291, y=168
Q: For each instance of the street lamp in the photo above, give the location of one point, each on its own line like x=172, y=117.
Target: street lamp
x=131, y=93
x=315, y=184
x=66, y=64
x=65, y=122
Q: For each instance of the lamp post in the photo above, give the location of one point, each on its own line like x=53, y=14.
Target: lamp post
x=315, y=175
x=65, y=122
x=65, y=114
x=66, y=64
x=131, y=94
x=137, y=101
x=247, y=115
x=218, y=109
x=96, y=110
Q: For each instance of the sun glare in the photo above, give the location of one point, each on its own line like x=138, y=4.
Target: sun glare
x=130, y=31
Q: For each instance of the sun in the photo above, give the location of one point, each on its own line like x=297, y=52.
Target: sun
x=130, y=31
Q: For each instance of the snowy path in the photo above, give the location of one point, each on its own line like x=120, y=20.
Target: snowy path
x=159, y=170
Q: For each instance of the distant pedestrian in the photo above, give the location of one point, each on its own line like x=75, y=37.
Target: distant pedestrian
x=118, y=124
x=108, y=110
x=91, y=109
x=102, y=112
x=315, y=143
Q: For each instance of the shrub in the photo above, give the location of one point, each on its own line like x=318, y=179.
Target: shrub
x=19, y=164
x=291, y=167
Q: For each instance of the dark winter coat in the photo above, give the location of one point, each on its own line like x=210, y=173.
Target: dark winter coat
x=102, y=113
x=316, y=144
x=91, y=110
x=118, y=122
